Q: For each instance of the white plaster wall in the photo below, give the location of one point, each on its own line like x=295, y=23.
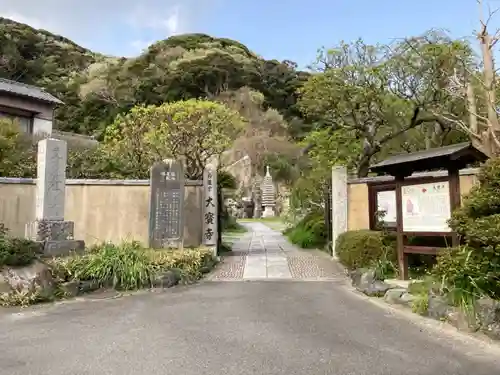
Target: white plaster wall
x=42, y=126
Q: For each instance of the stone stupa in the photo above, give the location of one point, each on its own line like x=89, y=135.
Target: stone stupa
x=268, y=195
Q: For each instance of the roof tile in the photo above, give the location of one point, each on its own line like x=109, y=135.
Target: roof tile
x=29, y=91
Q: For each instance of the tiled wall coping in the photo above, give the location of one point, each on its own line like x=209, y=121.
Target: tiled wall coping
x=32, y=181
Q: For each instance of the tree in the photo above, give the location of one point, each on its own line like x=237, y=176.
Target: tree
x=193, y=130
x=331, y=148
x=375, y=93
x=17, y=155
x=474, y=85
x=265, y=132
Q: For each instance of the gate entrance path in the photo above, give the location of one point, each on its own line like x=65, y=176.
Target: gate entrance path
x=263, y=253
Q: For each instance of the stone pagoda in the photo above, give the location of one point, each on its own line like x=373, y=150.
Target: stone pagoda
x=268, y=195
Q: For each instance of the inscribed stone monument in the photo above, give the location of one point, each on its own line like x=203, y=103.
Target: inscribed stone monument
x=339, y=204
x=257, y=197
x=210, y=205
x=166, y=227
x=49, y=225
x=268, y=195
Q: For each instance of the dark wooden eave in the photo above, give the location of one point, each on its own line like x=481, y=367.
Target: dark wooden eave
x=456, y=156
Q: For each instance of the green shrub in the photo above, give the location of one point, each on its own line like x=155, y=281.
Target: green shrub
x=225, y=248
x=17, y=152
x=129, y=266
x=385, y=266
x=420, y=303
x=310, y=232
x=362, y=248
x=462, y=272
x=302, y=238
x=473, y=269
x=229, y=224
x=125, y=266
x=189, y=261
x=16, y=252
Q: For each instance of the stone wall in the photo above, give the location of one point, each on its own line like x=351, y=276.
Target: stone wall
x=102, y=210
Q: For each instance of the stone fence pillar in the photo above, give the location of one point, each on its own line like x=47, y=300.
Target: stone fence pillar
x=339, y=204
x=49, y=226
x=210, y=204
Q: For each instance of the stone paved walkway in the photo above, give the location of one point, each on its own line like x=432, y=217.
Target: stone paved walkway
x=264, y=254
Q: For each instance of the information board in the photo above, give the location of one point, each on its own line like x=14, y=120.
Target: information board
x=426, y=207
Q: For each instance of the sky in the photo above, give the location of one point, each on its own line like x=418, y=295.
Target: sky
x=275, y=29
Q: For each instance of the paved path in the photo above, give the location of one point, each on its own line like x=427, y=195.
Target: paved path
x=264, y=254
x=283, y=327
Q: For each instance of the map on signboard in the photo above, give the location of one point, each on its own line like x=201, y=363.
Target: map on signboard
x=426, y=207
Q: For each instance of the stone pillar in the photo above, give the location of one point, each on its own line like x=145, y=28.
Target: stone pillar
x=339, y=204
x=257, y=197
x=210, y=204
x=49, y=226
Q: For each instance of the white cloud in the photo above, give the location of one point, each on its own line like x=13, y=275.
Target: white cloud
x=141, y=45
x=111, y=27
x=147, y=18
x=33, y=22
x=149, y=21
x=173, y=22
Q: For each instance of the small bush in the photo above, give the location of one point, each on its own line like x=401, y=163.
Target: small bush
x=231, y=225
x=310, y=232
x=463, y=274
x=420, y=303
x=125, y=266
x=225, y=248
x=16, y=252
x=385, y=266
x=362, y=248
x=129, y=266
x=189, y=261
x=473, y=269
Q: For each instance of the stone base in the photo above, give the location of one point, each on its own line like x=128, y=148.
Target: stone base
x=50, y=230
x=268, y=212
x=65, y=247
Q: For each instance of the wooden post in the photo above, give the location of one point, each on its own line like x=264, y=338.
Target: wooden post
x=402, y=259
x=454, y=184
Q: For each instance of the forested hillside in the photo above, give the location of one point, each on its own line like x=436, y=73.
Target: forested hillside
x=96, y=88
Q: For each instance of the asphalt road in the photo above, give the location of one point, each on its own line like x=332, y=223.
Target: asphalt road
x=237, y=328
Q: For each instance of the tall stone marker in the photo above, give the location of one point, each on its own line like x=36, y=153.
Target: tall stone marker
x=339, y=204
x=268, y=195
x=210, y=205
x=49, y=226
x=166, y=209
x=257, y=197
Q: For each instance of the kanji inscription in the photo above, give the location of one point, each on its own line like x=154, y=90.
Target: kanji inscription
x=210, y=232
x=166, y=205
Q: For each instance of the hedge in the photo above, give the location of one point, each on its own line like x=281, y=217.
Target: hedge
x=362, y=248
